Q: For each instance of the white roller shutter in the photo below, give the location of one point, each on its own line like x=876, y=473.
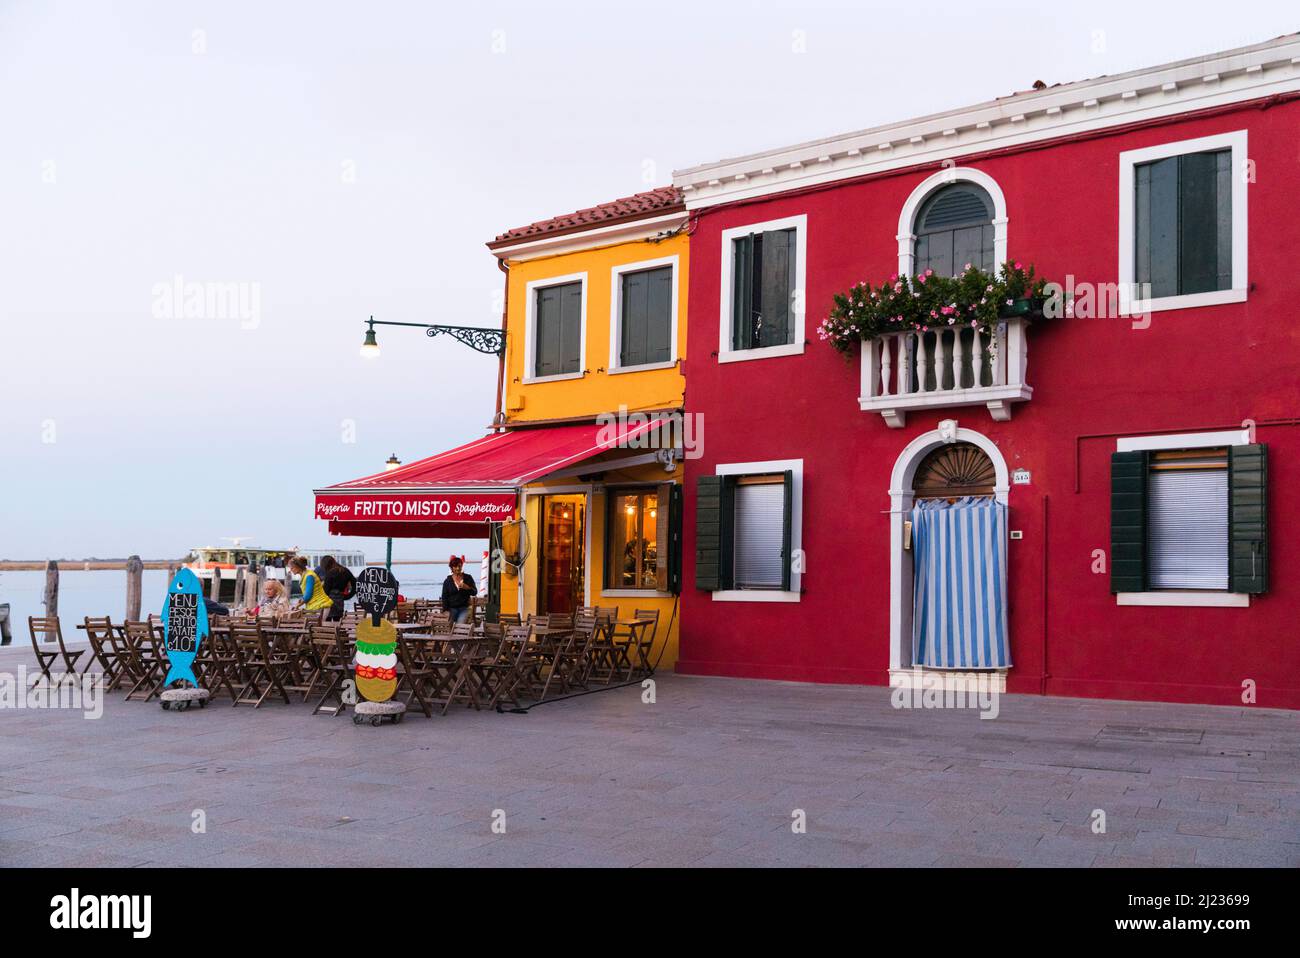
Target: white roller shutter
x=1187, y=530
x=760, y=521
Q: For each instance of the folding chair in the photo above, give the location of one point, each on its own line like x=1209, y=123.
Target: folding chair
x=415, y=676
x=336, y=660
x=150, y=657
x=129, y=668
x=47, y=626
x=99, y=633
x=266, y=669
x=645, y=641
x=219, y=663
x=514, y=671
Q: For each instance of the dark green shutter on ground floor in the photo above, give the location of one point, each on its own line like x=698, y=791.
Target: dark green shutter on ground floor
x=1128, y=521
x=712, y=533
x=1248, y=518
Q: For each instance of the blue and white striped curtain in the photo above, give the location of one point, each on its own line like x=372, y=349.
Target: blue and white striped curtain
x=959, y=595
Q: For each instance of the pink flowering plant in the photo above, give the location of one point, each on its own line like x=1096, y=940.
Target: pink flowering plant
x=928, y=301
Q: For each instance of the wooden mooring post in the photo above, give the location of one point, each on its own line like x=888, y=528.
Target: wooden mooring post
x=215, y=592
x=134, y=583
x=51, y=588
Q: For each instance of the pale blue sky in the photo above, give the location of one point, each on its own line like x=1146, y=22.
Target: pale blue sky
x=352, y=159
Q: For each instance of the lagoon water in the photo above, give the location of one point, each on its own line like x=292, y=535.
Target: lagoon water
x=84, y=594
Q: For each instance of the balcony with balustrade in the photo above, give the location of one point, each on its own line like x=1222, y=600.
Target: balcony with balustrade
x=936, y=368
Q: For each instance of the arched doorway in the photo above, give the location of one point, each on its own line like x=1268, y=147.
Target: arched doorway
x=955, y=464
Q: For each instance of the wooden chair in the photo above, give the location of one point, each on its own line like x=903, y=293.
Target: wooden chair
x=416, y=674
x=631, y=647
x=123, y=654
x=99, y=633
x=150, y=657
x=219, y=663
x=266, y=669
x=515, y=670
x=47, y=626
x=568, y=659
x=336, y=661
x=507, y=619
x=435, y=620
x=603, y=655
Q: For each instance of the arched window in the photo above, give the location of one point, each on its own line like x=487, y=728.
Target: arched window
x=954, y=227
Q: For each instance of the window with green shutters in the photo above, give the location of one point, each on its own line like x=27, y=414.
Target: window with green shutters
x=645, y=317
x=955, y=227
x=762, y=302
x=1183, y=223
x=1191, y=519
x=557, y=330
x=743, y=532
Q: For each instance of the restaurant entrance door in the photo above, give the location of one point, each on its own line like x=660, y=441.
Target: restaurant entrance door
x=564, y=554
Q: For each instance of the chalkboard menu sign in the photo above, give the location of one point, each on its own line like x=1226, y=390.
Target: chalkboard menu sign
x=185, y=624
x=376, y=592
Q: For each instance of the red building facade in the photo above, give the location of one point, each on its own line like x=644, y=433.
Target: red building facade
x=1184, y=178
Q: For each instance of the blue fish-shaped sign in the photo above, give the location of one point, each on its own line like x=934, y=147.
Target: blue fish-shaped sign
x=185, y=626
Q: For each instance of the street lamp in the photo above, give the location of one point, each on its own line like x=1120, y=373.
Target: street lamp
x=482, y=339
x=370, y=348
x=389, y=465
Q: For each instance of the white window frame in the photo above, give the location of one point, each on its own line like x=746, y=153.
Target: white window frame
x=795, y=467
x=1130, y=301
x=1190, y=440
x=616, y=314
x=726, y=354
x=530, y=328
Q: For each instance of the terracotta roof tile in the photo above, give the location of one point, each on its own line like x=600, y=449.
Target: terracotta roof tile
x=663, y=199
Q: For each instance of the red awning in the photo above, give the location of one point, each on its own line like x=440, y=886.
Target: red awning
x=456, y=493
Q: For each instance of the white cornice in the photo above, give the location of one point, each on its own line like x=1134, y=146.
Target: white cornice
x=1141, y=95
x=571, y=242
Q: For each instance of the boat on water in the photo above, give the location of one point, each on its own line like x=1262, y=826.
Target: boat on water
x=205, y=562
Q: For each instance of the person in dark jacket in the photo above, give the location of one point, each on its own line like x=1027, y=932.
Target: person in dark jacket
x=339, y=584
x=458, y=590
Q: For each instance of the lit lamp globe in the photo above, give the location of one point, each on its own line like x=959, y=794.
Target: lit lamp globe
x=370, y=348
x=392, y=463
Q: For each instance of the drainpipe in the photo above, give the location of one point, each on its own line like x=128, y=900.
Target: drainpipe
x=1042, y=682
x=501, y=360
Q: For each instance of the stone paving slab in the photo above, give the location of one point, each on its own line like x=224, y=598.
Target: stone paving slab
x=713, y=774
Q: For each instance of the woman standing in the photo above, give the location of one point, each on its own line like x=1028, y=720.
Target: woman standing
x=458, y=590
x=314, y=597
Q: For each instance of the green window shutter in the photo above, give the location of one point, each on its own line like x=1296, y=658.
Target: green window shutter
x=570, y=359
x=632, y=351
x=742, y=304
x=712, y=533
x=787, y=532
x=676, y=539
x=659, y=315
x=1248, y=518
x=1201, y=214
x=493, y=611
x=1156, y=224
x=546, y=334
x=776, y=287
x=1128, y=521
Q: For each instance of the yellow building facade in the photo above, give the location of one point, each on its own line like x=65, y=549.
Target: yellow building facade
x=596, y=306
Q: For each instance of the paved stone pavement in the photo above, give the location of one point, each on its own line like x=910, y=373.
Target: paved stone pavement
x=711, y=774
